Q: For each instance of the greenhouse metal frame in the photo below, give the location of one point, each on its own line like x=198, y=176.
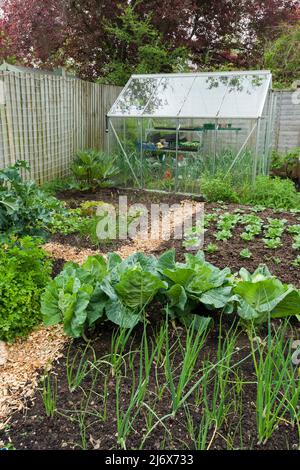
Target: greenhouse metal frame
x=169, y=130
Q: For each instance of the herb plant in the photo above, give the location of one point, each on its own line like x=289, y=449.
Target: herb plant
x=275, y=192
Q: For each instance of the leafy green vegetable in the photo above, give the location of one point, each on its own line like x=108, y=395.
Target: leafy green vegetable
x=74, y=297
x=24, y=208
x=218, y=298
x=207, y=277
x=94, y=168
x=197, y=282
x=223, y=235
x=120, y=290
x=296, y=262
x=137, y=287
x=24, y=272
x=114, y=289
x=179, y=275
x=198, y=322
x=178, y=297
x=245, y=253
x=166, y=260
x=296, y=243
x=272, y=243
x=261, y=295
x=117, y=313
x=295, y=229
x=211, y=248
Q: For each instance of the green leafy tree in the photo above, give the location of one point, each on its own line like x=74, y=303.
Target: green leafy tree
x=283, y=56
x=73, y=33
x=138, y=47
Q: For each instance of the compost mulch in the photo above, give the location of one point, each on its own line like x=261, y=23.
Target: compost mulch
x=26, y=424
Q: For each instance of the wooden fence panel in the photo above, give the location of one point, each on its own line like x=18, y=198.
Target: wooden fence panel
x=287, y=121
x=45, y=120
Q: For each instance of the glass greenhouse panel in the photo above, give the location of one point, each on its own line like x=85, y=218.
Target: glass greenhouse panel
x=169, y=97
x=194, y=95
x=210, y=96
x=245, y=96
x=226, y=96
x=216, y=153
x=204, y=98
x=124, y=146
x=169, y=131
x=134, y=97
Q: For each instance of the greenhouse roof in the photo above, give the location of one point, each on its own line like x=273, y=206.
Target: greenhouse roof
x=191, y=95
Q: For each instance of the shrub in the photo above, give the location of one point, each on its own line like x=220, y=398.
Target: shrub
x=218, y=189
x=287, y=160
x=286, y=164
x=275, y=192
x=24, y=272
x=94, y=168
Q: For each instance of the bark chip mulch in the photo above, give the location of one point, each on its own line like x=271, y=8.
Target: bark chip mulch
x=20, y=367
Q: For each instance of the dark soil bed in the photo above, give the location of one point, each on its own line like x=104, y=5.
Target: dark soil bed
x=228, y=254
x=34, y=430
x=71, y=428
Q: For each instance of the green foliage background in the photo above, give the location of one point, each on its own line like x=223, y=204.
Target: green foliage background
x=141, y=49
x=282, y=57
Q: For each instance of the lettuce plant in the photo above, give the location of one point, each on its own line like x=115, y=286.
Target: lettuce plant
x=24, y=273
x=272, y=243
x=120, y=291
x=261, y=295
x=227, y=221
x=101, y=289
x=196, y=282
x=296, y=243
x=245, y=253
x=295, y=229
x=211, y=248
x=222, y=235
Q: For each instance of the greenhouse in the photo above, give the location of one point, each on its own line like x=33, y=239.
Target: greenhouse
x=168, y=131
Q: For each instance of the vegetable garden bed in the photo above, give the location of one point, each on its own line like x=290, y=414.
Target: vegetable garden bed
x=151, y=390
x=228, y=252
